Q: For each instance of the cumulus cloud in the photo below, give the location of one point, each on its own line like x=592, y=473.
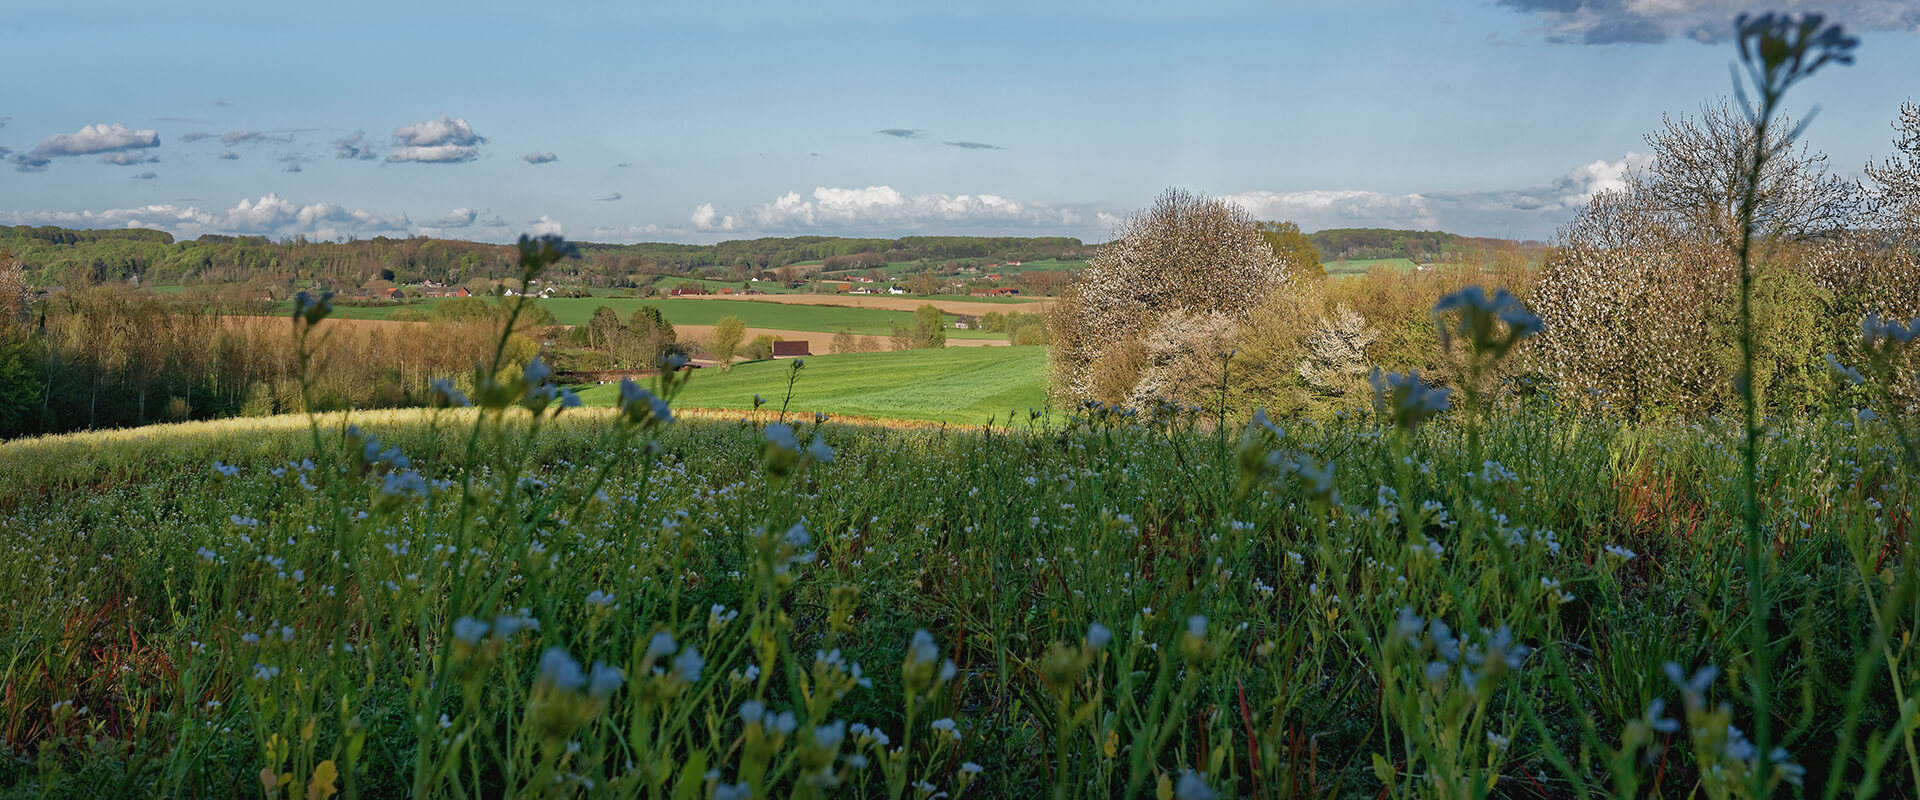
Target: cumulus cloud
x=541, y=158
x=707, y=219
x=291, y=162
x=437, y=141
x=354, y=146
x=544, y=226
x=902, y=133
x=974, y=145
x=1532, y=212
x=1649, y=21
x=884, y=208
x=268, y=216
x=90, y=140
x=457, y=218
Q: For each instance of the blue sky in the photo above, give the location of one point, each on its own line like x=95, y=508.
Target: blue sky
x=706, y=121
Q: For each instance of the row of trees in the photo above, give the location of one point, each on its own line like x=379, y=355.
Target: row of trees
x=108, y=357
x=1638, y=295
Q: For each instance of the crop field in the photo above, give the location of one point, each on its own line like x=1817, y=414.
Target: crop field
x=963, y=385
x=605, y=603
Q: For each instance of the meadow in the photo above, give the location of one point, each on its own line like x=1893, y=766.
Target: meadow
x=695, y=311
x=602, y=602
x=1359, y=266
x=959, y=385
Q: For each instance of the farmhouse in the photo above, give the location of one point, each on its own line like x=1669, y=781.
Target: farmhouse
x=1003, y=291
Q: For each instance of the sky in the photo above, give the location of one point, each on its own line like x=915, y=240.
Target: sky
x=731, y=119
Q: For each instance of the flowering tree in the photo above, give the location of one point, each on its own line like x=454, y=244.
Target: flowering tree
x=1898, y=178
x=1180, y=272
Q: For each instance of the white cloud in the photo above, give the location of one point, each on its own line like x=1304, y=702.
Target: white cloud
x=544, y=226
x=437, y=141
x=878, y=209
x=271, y=215
x=1317, y=210
x=706, y=219
x=539, y=158
x=124, y=159
x=1579, y=185
x=92, y=139
x=1648, y=21
x=457, y=218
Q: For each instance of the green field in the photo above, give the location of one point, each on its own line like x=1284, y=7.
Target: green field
x=695, y=311
x=1359, y=266
x=963, y=385
x=665, y=283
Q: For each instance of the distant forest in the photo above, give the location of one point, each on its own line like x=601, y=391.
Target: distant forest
x=59, y=256
x=1372, y=243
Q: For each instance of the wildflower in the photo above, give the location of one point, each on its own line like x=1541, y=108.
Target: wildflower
x=819, y=451
x=604, y=680
x=734, y=791
x=1098, y=636
x=1404, y=398
x=661, y=644
x=1655, y=717
x=1192, y=786
x=688, y=665
x=1618, y=552
x=469, y=630
x=641, y=407
x=536, y=371
x=1480, y=317
x=312, y=309
x=830, y=735
x=444, y=395
x=208, y=555
x=262, y=672
x=600, y=598
x=1850, y=374
x=228, y=470
x=559, y=670
x=408, y=482
x=946, y=725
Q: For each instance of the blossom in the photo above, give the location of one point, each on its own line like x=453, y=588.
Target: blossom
x=559, y=670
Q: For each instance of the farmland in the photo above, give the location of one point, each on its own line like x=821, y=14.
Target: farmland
x=967, y=386
x=703, y=311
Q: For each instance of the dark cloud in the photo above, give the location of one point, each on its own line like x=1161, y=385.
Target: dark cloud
x=974, y=145
x=609, y=198
x=1635, y=22
x=256, y=137
x=292, y=162
x=145, y=176
x=354, y=146
x=539, y=158
x=90, y=140
x=902, y=133
x=194, y=136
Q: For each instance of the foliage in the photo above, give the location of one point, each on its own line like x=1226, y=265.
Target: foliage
x=929, y=328
x=724, y=340
x=1292, y=247
x=1173, y=269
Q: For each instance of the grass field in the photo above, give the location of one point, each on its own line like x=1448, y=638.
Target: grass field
x=963, y=385
x=693, y=311
x=1359, y=266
